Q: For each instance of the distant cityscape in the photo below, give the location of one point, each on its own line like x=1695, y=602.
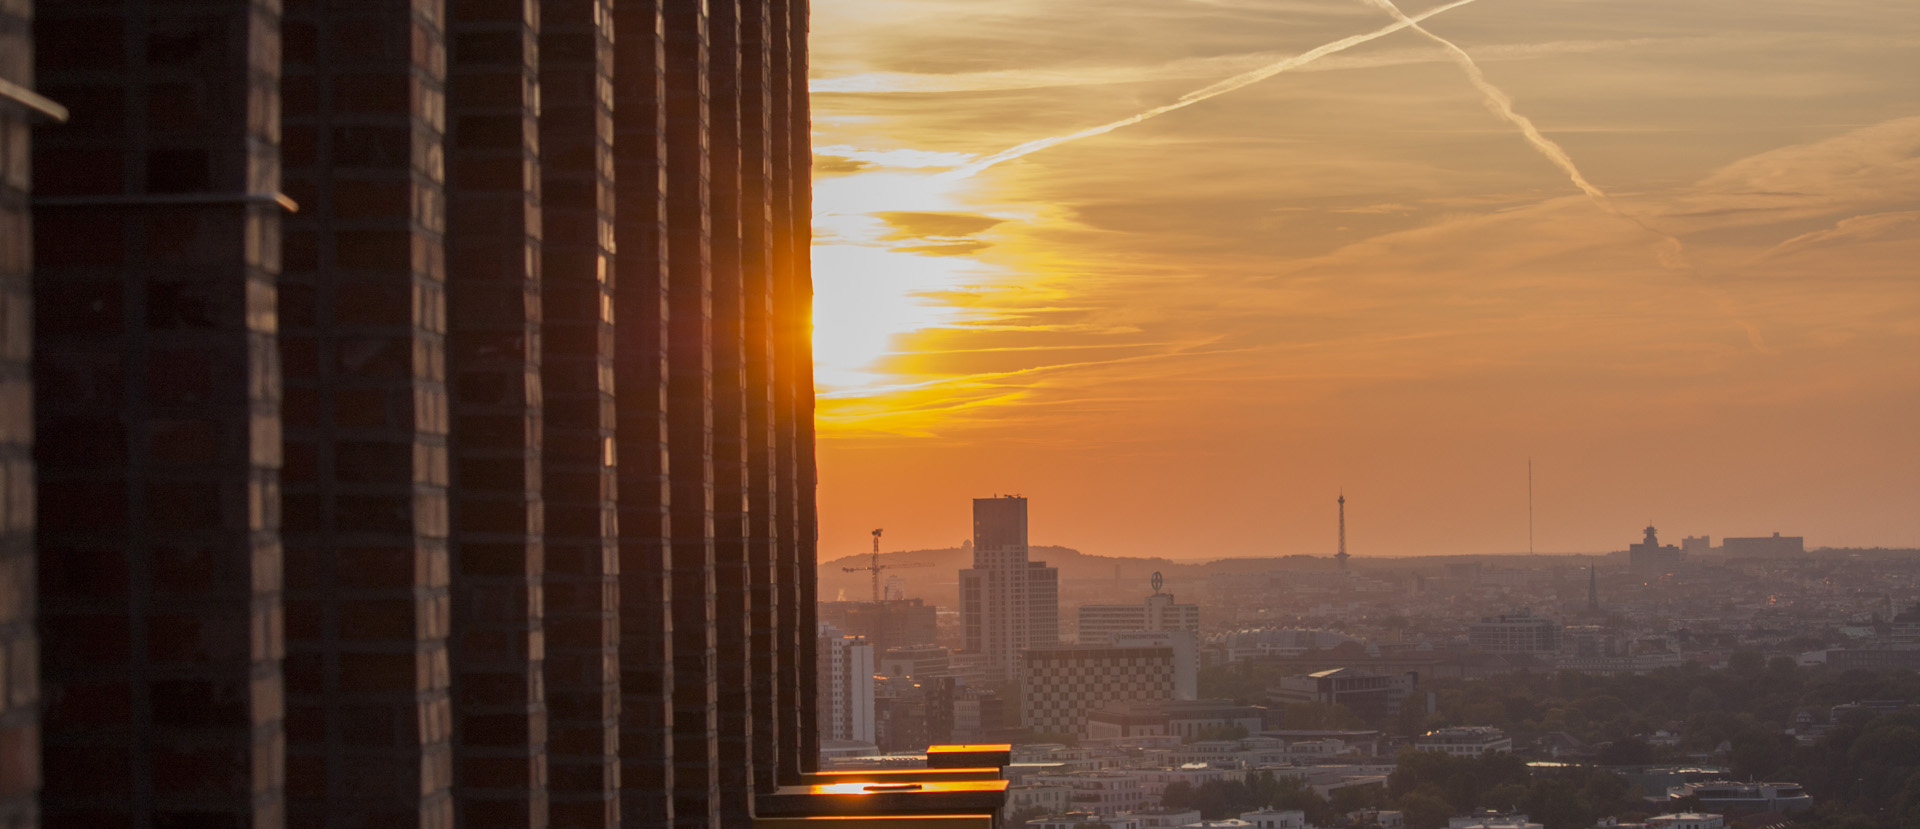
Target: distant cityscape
x=1322, y=670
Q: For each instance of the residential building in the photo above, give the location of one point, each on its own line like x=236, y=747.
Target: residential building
x=1186, y=719
x=917, y=662
x=1099, y=622
x=1465, y=741
x=1382, y=818
x=846, y=686
x=1100, y=792
x=1080, y=820
x=1727, y=796
x=894, y=623
x=1492, y=820
x=1774, y=546
x=1516, y=632
x=1047, y=798
x=1277, y=819
x=1373, y=697
x=1008, y=603
x=1164, y=818
x=1060, y=685
x=1687, y=820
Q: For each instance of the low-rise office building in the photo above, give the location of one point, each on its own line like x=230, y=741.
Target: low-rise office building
x=1465, y=741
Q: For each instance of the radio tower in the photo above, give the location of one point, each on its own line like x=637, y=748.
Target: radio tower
x=1342, y=556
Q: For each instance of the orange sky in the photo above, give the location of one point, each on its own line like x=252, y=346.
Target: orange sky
x=1666, y=250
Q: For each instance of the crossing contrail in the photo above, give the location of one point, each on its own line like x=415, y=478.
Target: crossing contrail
x=1501, y=104
x=1239, y=81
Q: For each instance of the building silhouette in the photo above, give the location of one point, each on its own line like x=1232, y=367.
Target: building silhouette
x=1008, y=603
x=1650, y=560
x=418, y=408
x=1775, y=546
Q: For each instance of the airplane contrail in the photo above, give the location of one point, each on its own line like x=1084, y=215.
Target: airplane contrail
x=1501, y=104
x=1239, y=81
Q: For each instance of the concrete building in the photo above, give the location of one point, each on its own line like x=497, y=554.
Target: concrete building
x=1649, y=560
x=1492, y=820
x=1373, y=697
x=1046, y=798
x=1186, y=656
x=1100, y=792
x=1774, y=546
x=368, y=471
x=1099, y=622
x=917, y=662
x=895, y=623
x=1080, y=820
x=1008, y=603
x=1687, y=820
x=1465, y=741
x=1060, y=685
x=1164, y=818
x=845, y=676
x=1276, y=819
x=1516, y=632
x=1187, y=719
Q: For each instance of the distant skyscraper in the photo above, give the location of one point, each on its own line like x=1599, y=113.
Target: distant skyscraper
x=1007, y=602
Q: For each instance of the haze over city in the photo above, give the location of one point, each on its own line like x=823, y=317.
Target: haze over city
x=1665, y=251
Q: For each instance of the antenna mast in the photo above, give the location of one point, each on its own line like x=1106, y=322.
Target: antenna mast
x=1342, y=556
x=1529, y=505
x=876, y=567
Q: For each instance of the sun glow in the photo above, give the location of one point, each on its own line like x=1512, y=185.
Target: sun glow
x=878, y=278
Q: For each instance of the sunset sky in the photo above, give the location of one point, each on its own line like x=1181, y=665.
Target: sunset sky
x=1368, y=269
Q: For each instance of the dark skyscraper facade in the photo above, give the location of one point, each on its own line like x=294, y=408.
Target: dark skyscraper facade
x=418, y=405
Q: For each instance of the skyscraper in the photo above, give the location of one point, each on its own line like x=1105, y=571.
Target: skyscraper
x=1008, y=603
x=418, y=397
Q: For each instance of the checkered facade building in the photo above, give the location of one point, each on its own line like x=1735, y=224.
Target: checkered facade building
x=1059, y=686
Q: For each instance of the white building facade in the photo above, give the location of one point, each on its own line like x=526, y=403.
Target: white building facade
x=845, y=677
x=1099, y=622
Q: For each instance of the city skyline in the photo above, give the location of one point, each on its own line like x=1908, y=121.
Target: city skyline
x=1188, y=270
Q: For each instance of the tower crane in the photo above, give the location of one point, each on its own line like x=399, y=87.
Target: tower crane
x=876, y=567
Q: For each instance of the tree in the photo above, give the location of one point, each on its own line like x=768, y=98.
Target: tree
x=1355, y=798
x=1746, y=663
x=1557, y=804
x=1425, y=811
x=1632, y=751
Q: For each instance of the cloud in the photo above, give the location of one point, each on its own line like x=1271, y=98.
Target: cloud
x=914, y=225
x=1902, y=224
